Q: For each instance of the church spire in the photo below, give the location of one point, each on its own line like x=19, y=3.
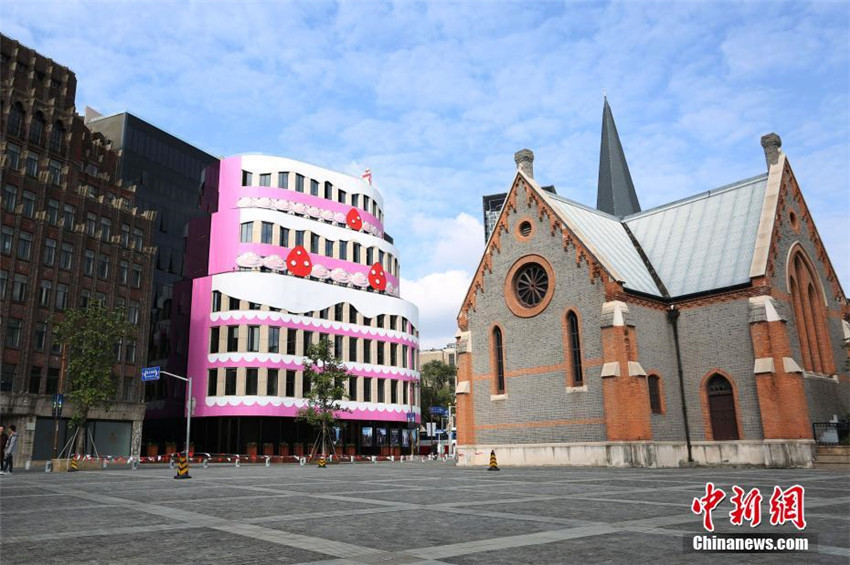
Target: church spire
x=616, y=193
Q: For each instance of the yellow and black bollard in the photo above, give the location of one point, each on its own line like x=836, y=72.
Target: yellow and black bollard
x=493, y=466
x=73, y=467
x=182, y=468
x=322, y=462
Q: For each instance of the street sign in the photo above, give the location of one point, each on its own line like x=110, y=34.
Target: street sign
x=439, y=410
x=411, y=417
x=150, y=374
x=58, y=399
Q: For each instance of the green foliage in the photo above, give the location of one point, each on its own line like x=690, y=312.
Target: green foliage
x=90, y=334
x=328, y=377
x=437, y=387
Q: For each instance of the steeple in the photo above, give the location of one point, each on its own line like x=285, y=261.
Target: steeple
x=616, y=193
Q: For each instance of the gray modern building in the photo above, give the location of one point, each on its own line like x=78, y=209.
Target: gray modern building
x=166, y=172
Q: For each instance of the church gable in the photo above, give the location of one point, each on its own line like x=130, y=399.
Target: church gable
x=525, y=194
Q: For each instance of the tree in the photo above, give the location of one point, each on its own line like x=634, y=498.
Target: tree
x=90, y=335
x=327, y=377
x=437, y=387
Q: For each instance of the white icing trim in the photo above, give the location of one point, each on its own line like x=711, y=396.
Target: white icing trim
x=295, y=294
x=258, y=164
x=328, y=231
x=315, y=322
x=328, y=216
x=250, y=357
x=355, y=279
x=300, y=402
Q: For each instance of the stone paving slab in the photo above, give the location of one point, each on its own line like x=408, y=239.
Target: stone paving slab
x=202, y=546
x=423, y=513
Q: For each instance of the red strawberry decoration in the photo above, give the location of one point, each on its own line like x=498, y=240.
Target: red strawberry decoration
x=298, y=262
x=353, y=219
x=377, y=277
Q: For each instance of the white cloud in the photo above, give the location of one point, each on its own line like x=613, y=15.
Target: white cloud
x=438, y=296
x=436, y=97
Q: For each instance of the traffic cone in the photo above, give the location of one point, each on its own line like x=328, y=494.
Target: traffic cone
x=322, y=463
x=182, y=468
x=73, y=467
x=493, y=466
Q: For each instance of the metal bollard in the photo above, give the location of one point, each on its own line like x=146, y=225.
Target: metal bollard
x=206, y=462
x=135, y=464
x=28, y=465
x=171, y=463
x=352, y=459
x=374, y=459
x=268, y=461
x=237, y=462
x=48, y=466
x=104, y=463
x=302, y=461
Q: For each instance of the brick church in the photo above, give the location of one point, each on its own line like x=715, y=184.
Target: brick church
x=710, y=330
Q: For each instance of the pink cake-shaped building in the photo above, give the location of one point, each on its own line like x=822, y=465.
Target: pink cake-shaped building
x=290, y=254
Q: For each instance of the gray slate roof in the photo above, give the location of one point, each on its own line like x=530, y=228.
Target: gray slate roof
x=698, y=244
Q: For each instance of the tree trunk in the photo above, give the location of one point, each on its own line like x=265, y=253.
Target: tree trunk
x=80, y=442
x=324, y=438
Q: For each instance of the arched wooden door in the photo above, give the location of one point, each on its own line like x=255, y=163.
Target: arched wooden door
x=721, y=406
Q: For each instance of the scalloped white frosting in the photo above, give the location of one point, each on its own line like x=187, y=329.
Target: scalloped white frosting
x=250, y=357
x=318, y=323
x=298, y=295
x=300, y=402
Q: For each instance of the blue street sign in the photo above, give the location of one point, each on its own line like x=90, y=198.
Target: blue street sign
x=58, y=399
x=439, y=410
x=411, y=417
x=150, y=374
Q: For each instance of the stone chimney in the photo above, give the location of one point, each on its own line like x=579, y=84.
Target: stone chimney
x=525, y=162
x=772, y=144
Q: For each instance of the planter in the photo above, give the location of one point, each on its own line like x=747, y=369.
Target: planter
x=170, y=448
x=152, y=450
x=268, y=449
x=351, y=449
x=252, y=449
x=396, y=451
x=299, y=449
x=284, y=449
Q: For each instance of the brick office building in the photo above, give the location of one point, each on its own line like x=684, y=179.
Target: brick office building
x=709, y=329
x=70, y=234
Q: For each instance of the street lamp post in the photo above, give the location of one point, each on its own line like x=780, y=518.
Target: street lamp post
x=188, y=381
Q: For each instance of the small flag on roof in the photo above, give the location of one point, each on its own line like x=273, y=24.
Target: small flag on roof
x=367, y=175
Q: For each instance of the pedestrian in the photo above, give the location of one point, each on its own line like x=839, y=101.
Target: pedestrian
x=9, y=452
x=2, y=442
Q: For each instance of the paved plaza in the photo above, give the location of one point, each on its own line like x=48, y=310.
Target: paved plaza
x=409, y=512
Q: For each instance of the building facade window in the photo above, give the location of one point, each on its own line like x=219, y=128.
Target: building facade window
x=49, y=252
x=52, y=212
x=10, y=198
x=13, y=332
x=246, y=232
x=15, y=121
x=266, y=232
x=654, y=383
x=499, y=360
x=61, y=296
x=68, y=216
x=810, y=315
x=212, y=382
x=24, y=245
x=283, y=180
x=28, y=201
x=32, y=165
x=574, y=341
x=274, y=340
x=13, y=153
x=271, y=382
x=230, y=382
x=19, y=288
x=251, y=378
x=266, y=179
x=253, y=338
x=232, y=338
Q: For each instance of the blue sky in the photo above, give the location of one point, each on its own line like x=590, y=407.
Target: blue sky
x=436, y=97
